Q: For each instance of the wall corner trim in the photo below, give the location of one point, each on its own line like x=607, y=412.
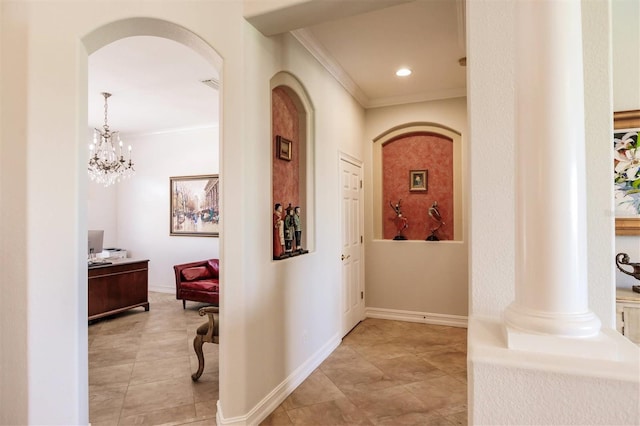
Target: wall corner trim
x=270, y=402
x=421, y=317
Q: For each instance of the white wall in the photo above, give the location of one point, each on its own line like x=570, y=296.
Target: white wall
x=143, y=201
x=419, y=277
x=290, y=299
x=135, y=212
x=626, y=54
x=102, y=208
x=267, y=307
x=44, y=84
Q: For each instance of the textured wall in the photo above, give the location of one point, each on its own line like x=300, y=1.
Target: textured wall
x=285, y=173
x=418, y=152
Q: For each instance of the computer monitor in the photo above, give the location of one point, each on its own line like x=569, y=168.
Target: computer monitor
x=95, y=242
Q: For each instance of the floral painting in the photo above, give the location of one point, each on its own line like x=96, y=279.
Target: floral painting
x=627, y=172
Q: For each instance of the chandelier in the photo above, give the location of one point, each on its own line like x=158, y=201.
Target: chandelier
x=106, y=166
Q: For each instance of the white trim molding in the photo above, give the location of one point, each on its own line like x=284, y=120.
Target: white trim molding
x=421, y=317
x=277, y=396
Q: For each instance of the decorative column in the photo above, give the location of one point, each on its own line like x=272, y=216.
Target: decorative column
x=551, y=271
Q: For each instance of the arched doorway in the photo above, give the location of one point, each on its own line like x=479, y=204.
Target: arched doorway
x=156, y=158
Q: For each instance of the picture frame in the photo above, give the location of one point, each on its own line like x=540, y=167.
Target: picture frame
x=194, y=206
x=418, y=180
x=283, y=147
x=625, y=124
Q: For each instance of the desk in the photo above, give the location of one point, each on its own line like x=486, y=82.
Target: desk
x=117, y=287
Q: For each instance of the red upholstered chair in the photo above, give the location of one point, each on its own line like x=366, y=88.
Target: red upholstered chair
x=198, y=282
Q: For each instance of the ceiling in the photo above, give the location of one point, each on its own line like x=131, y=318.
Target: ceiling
x=156, y=86
x=156, y=83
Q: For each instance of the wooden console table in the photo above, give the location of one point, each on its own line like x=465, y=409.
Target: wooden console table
x=117, y=287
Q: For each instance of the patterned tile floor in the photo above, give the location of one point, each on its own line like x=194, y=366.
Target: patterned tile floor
x=383, y=373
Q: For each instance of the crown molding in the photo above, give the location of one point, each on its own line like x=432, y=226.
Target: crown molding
x=318, y=51
x=432, y=95
x=309, y=42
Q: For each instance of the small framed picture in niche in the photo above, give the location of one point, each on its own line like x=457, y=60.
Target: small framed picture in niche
x=284, y=148
x=418, y=180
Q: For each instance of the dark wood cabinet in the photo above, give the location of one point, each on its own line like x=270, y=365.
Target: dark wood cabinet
x=117, y=287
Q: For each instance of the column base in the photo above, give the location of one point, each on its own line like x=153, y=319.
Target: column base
x=512, y=387
x=600, y=346
x=559, y=334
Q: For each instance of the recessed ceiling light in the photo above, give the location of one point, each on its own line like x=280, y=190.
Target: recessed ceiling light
x=403, y=72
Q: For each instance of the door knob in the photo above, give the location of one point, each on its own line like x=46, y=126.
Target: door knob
x=343, y=257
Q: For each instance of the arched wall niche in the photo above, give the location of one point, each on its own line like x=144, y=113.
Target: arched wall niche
x=288, y=84
x=382, y=211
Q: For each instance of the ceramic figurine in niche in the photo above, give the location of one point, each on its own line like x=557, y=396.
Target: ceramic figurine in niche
x=289, y=229
x=435, y=215
x=400, y=221
x=297, y=227
x=278, y=232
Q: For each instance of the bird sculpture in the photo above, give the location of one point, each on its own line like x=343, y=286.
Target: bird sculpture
x=434, y=213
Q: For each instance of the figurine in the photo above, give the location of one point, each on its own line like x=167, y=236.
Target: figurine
x=434, y=213
x=289, y=229
x=278, y=232
x=401, y=222
x=298, y=228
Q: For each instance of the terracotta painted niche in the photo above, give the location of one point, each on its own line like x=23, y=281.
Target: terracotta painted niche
x=417, y=152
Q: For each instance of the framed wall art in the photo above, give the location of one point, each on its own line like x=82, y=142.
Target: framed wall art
x=194, y=205
x=283, y=147
x=418, y=180
x=626, y=173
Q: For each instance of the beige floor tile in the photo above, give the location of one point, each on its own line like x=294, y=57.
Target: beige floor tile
x=417, y=419
x=160, y=369
x=104, y=409
x=366, y=380
x=278, y=417
x=206, y=389
x=112, y=356
x=388, y=350
x=148, y=397
x=387, y=403
x=162, y=416
x=113, y=375
x=337, y=412
x=315, y=389
x=450, y=361
x=408, y=369
x=207, y=409
x=446, y=394
x=358, y=371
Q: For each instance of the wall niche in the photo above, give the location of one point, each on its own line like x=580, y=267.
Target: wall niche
x=433, y=153
x=291, y=119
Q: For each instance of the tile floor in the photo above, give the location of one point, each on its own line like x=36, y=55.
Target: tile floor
x=140, y=366
x=383, y=373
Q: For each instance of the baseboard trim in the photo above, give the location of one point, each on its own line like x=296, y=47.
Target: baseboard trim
x=163, y=289
x=412, y=316
x=277, y=396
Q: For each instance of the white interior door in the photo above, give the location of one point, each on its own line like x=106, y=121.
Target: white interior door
x=352, y=244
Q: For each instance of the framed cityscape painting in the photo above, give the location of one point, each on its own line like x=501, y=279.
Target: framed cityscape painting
x=194, y=205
